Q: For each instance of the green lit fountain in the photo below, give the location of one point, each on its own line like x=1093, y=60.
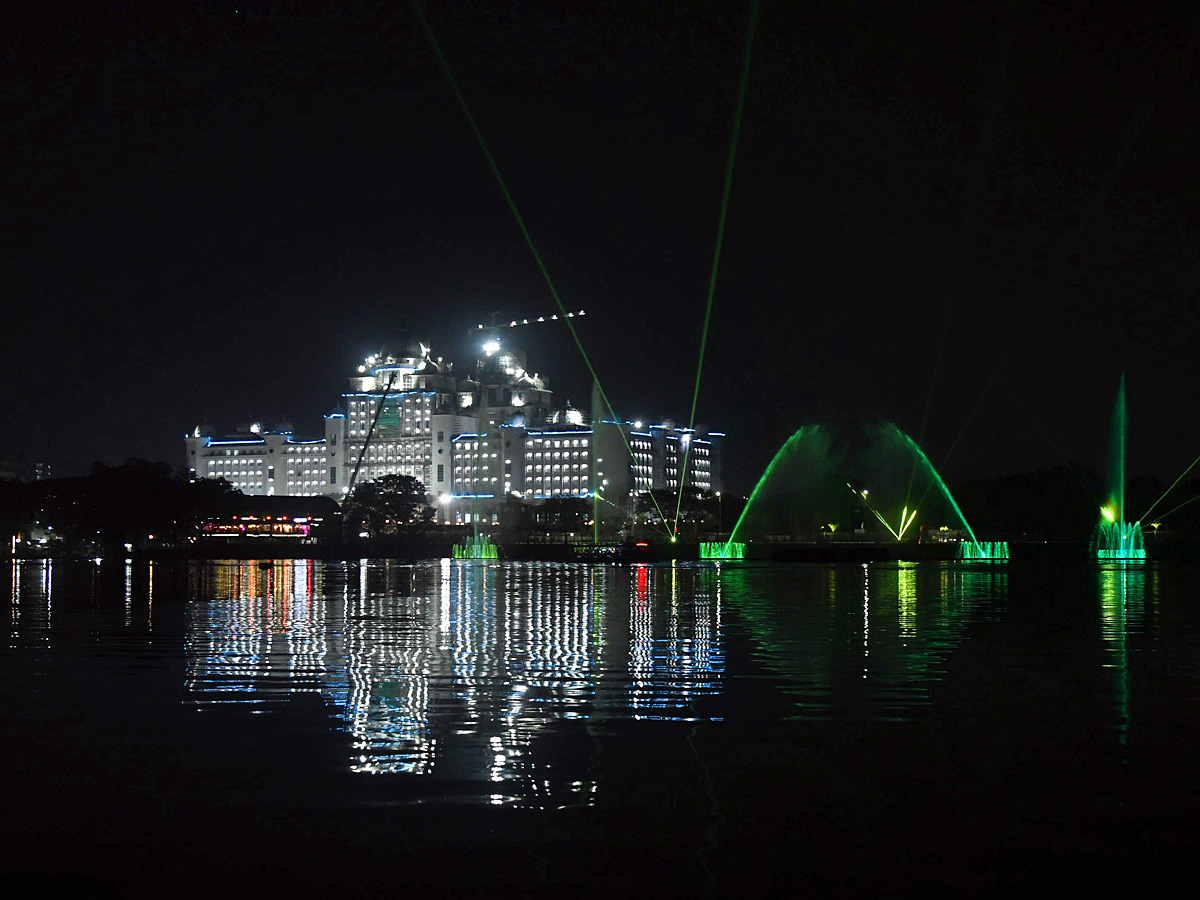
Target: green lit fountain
x=806, y=483
x=895, y=444
x=477, y=546
x=722, y=550
x=1113, y=537
x=797, y=470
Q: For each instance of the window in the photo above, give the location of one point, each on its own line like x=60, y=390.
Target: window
x=441, y=475
x=333, y=474
x=441, y=436
x=270, y=472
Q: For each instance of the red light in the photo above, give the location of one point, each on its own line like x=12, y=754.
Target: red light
x=641, y=544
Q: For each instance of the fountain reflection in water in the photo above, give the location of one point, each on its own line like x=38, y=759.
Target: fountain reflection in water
x=501, y=683
x=1122, y=589
x=862, y=642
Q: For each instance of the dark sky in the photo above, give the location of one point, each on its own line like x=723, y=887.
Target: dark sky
x=213, y=214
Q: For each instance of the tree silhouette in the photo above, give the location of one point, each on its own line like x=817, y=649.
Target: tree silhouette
x=387, y=505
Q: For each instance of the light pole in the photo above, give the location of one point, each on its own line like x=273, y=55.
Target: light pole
x=718, y=515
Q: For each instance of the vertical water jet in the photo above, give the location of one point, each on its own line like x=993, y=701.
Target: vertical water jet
x=1113, y=537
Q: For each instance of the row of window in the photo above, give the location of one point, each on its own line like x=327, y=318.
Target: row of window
x=557, y=444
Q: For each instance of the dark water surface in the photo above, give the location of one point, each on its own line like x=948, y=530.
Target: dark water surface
x=468, y=729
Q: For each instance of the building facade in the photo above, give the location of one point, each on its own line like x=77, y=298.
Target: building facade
x=258, y=460
x=492, y=434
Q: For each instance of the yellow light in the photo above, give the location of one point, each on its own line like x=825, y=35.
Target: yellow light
x=1108, y=513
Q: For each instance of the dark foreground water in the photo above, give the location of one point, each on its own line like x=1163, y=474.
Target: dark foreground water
x=465, y=729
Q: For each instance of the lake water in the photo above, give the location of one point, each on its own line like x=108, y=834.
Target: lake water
x=503, y=729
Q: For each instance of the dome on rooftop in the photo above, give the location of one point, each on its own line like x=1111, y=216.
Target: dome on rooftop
x=402, y=348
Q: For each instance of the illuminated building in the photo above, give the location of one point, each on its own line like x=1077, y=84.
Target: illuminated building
x=19, y=470
x=658, y=453
x=407, y=404
x=268, y=461
x=488, y=435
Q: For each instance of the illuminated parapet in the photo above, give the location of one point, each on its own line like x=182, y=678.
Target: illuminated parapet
x=478, y=547
x=722, y=550
x=983, y=551
x=1118, y=540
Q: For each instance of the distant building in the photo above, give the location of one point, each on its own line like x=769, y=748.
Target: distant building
x=265, y=461
x=20, y=470
x=305, y=519
x=488, y=435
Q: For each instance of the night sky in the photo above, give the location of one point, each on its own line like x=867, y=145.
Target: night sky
x=215, y=214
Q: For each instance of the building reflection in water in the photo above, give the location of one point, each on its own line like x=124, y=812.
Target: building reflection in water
x=458, y=666
x=498, y=677
x=675, y=654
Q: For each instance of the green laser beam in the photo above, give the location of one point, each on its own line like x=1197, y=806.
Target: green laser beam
x=1069, y=242
x=739, y=108
x=1177, y=508
x=462, y=102
x=805, y=431
x=880, y=517
x=1168, y=490
x=966, y=234
x=875, y=512
x=936, y=479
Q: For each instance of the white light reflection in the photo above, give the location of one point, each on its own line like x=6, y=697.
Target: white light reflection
x=15, y=625
x=675, y=655
x=128, y=592
x=481, y=657
x=866, y=611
